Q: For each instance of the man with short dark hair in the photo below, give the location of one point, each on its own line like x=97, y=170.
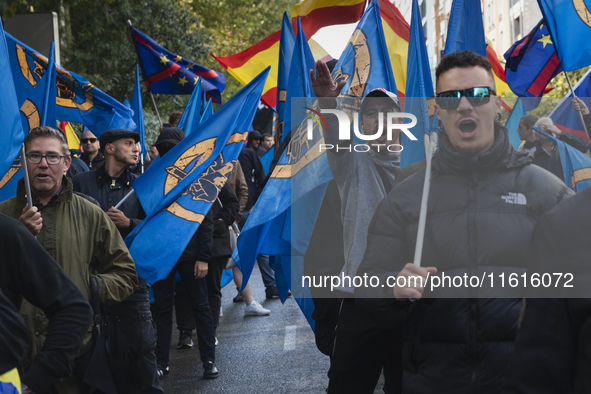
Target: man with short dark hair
x=109, y=184
x=266, y=143
x=91, y=154
x=527, y=134
x=485, y=199
x=76, y=233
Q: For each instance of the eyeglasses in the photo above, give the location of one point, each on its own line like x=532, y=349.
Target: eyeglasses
x=476, y=96
x=52, y=158
x=87, y=140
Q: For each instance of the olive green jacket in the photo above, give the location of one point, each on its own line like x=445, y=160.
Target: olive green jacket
x=82, y=239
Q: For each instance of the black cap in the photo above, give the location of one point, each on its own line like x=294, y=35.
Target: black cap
x=172, y=135
x=255, y=135
x=112, y=135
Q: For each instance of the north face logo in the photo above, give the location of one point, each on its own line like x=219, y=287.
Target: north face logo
x=515, y=198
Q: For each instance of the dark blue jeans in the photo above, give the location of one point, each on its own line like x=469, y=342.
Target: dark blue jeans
x=267, y=272
x=162, y=308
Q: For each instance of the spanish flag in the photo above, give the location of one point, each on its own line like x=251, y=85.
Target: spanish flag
x=396, y=33
x=314, y=14
x=498, y=70
x=73, y=141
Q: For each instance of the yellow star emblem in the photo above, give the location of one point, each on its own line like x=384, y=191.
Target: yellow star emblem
x=545, y=40
x=196, y=80
x=189, y=66
x=178, y=58
x=163, y=59
x=182, y=81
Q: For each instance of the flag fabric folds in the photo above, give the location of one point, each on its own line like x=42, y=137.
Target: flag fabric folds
x=73, y=140
x=286, y=48
x=576, y=166
x=77, y=101
x=565, y=117
x=569, y=23
x=138, y=112
x=531, y=63
x=12, y=139
x=298, y=182
x=191, y=115
x=315, y=14
x=38, y=108
x=498, y=70
x=168, y=73
x=465, y=31
x=513, y=123
x=396, y=34
x=419, y=88
x=177, y=190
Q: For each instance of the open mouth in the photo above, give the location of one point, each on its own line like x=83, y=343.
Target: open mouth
x=42, y=176
x=467, y=126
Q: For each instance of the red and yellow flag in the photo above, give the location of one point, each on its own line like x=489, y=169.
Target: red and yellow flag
x=313, y=14
x=73, y=141
x=498, y=70
x=396, y=33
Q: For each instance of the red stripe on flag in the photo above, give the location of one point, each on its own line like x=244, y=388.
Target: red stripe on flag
x=154, y=78
x=579, y=133
x=270, y=97
x=239, y=59
x=206, y=74
x=140, y=40
x=328, y=16
x=497, y=67
x=539, y=84
x=394, y=19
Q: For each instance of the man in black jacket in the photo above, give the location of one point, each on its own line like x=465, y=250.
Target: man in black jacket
x=109, y=184
x=27, y=270
x=485, y=199
x=192, y=267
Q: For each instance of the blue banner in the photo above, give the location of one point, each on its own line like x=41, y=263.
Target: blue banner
x=465, y=31
x=178, y=190
x=77, y=100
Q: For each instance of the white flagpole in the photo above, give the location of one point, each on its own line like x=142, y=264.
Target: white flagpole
x=430, y=148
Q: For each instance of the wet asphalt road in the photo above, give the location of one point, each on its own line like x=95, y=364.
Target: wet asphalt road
x=262, y=354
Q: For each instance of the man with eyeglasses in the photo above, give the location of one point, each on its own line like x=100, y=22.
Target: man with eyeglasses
x=75, y=232
x=485, y=199
x=91, y=154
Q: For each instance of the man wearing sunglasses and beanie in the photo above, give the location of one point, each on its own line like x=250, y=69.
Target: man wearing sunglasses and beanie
x=484, y=201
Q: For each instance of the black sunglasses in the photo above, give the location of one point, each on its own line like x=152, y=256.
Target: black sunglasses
x=476, y=96
x=87, y=140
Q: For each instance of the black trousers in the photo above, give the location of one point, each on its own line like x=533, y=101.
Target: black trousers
x=361, y=351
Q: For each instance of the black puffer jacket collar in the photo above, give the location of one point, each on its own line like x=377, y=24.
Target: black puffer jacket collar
x=500, y=155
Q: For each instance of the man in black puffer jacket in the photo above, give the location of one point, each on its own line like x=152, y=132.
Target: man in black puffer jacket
x=484, y=202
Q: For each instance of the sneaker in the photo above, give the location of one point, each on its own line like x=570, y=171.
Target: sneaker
x=216, y=341
x=185, y=340
x=210, y=371
x=255, y=309
x=238, y=298
x=163, y=371
x=221, y=311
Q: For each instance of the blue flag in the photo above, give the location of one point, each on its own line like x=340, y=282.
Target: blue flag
x=531, y=64
x=189, y=120
x=576, y=166
x=286, y=48
x=169, y=73
x=465, y=31
x=565, y=117
x=178, y=190
x=13, y=136
x=138, y=112
x=207, y=112
x=299, y=180
x=77, y=100
x=419, y=89
x=569, y=23
x=38, y=109
x=513, y=123
x=298, y=81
